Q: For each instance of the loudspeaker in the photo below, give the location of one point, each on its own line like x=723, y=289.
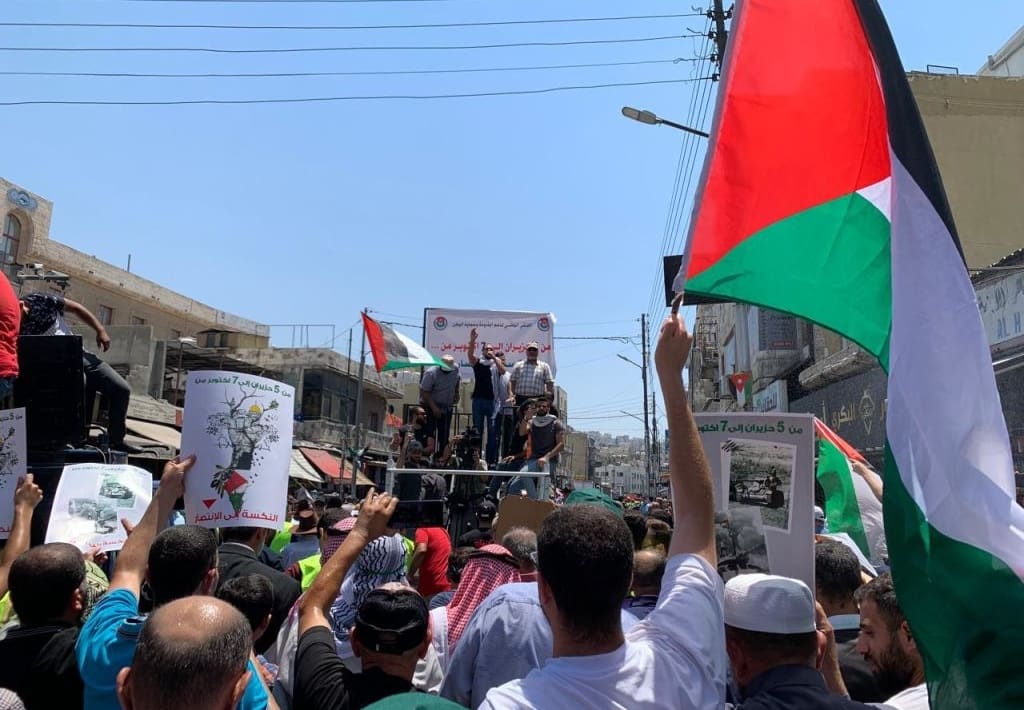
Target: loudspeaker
x=51, y=388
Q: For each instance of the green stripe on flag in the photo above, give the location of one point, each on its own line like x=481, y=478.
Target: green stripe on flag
x=962, y=605
x=838, y=251
x=841, y=508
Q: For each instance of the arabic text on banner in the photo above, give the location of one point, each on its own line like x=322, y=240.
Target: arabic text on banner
x=447, y=333
x=92, y=499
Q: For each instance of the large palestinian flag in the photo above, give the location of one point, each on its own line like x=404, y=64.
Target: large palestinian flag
x=820, y=197
x=393, y=351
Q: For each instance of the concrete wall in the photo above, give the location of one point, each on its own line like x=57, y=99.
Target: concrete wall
x=976, y=127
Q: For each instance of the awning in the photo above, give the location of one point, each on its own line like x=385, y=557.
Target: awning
x=330, y=465
x=299, y=468
x=167, y=435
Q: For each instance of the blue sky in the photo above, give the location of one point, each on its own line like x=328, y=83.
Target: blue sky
x=306, y=213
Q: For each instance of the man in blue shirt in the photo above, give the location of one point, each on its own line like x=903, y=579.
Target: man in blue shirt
x=179, y=562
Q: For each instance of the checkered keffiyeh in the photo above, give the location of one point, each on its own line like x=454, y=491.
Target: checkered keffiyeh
x=530, y=380
x=489, y=568
x=333, y=542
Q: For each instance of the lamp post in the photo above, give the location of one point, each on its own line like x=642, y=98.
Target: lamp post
x=182, y=342
x=652, y=119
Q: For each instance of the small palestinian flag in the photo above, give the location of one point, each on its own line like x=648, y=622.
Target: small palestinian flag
x=850, y=505
x=820, y=197
x=392, y=350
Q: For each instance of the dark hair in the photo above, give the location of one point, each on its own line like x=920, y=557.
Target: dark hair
x=521, y=409
x=662, y=515
x=42, y=580
x=836, y=571
x=174, y=672
x=659, y=532
x=457, y=560
x=775, y=649
x=881, y=591
x=330, y=518
x=637, y=527
x=179, y=559
x=586, y=556
x=240, y=534
x=332, y=501
x=251, y=594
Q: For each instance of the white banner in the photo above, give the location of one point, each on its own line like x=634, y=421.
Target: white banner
x=91, y=500
x=447, y=333
x=13, y=458
x=240, y=429
x=762, y=467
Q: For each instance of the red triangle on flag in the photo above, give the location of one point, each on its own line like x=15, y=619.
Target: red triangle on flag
x=208, y=502
x=739, y=380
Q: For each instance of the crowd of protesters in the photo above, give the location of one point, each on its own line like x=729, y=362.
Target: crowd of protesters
x=610, y=604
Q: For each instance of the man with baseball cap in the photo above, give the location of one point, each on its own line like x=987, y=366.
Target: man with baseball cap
x=531, y=378
x=391, y=631
x=773, y=642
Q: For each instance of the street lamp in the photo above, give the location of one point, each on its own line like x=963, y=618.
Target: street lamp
x=182, y=342
x=652, y=119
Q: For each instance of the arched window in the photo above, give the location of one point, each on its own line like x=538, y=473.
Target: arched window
x=11, y=240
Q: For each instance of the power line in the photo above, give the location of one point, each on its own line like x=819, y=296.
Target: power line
x=285, y=2
x=438, y=25
x=373, y=48
x=326, y=99
x=399, y=72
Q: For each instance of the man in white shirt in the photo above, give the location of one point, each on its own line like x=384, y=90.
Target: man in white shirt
x=676, y=657
x=886, y=643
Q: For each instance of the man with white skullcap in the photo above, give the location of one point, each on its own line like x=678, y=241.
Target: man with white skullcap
x=773, y=642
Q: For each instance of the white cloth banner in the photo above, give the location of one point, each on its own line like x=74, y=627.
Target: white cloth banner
x=762, y=467
x=447, y=333
x=13, y=458
x=91, y=500
x=240, y=429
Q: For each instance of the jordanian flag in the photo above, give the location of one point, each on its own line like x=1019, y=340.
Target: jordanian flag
x=392, y=350
x=850, y=505
x=821, y=198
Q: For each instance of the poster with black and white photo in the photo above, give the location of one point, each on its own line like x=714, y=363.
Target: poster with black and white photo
x=91, y=501
x=13, y=463
x=762, y=467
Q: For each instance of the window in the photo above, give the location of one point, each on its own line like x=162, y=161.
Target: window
x=105, y=314
x=138, y=321
x=11, y=239
x=175, y=334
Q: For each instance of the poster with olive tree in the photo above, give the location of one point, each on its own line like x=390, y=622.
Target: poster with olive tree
x=240, y=429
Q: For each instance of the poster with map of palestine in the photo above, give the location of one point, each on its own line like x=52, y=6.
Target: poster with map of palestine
x=13, y=457
x=240, y=429
x=91, y=501
x=762, y=469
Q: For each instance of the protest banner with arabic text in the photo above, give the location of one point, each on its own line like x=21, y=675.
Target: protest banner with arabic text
x=240, y=429
x=91, y=501
x=447, y=333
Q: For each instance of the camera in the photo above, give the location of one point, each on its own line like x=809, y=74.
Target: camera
x=468, y=440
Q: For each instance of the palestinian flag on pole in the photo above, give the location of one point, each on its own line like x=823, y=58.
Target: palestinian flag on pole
x=850, y=505
x=392, y=350
x=820, y=197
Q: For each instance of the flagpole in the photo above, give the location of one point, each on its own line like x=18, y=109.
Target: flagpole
x=356, y=462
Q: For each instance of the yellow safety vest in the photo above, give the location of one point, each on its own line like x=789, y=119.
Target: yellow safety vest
x=282, y=538
x=310, y=568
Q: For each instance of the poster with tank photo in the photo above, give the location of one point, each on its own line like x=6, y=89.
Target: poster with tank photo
x=739, y=534
x=91, y=501
x=761, y=474
x=763, y=462
x=240, y=429
x=13, y=457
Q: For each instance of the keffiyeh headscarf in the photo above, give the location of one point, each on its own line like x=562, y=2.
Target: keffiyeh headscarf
x=334, y=541
x=488, y=568
x=381, y=562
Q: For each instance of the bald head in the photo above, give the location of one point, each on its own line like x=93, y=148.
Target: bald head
x=648, y=569
x=522, y=543
x=45, y=583
x=192, y=653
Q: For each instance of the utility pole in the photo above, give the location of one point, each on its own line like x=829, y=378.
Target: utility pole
x=356, y=462
x=647, y=419
x=719, y=15
x=655, y=444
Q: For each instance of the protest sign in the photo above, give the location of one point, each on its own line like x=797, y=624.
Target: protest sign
x=92, y=499
x=521, y=512
x=447, y=333
x=13, y=457
x=240, y=429
x=762, y=468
